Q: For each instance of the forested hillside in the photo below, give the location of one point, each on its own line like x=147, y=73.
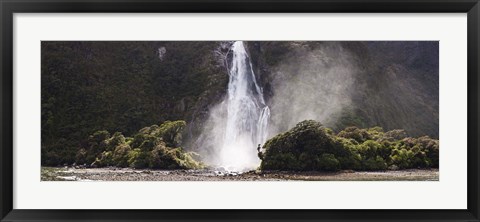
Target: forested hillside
x=121, y=86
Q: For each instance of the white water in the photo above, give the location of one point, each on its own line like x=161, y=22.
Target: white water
x=247, y=114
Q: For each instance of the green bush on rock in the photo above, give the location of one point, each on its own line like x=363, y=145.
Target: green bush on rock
x=155, y=147
x=309, y=146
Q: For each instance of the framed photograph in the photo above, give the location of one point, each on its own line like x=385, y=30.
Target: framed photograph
x=239, y=110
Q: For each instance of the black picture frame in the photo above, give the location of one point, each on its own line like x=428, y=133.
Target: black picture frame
x=9, y=7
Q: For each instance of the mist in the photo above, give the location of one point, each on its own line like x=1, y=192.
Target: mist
x=311, y=84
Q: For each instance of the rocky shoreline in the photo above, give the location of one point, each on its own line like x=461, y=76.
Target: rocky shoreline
x=128, y=174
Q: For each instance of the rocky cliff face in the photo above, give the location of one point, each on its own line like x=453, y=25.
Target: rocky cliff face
x=125, y=86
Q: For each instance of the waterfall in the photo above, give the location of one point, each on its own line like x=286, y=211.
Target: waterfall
x=247, y=113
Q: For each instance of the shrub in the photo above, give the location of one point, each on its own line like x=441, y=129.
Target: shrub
x=375, y=133
x=105, y=159
x=170, y=132
x=351, y=157
x=328, y=162
x=281, y=161
x=359, y=135
x=374, y=163
x=369, y=149
x=300, y=148
x=431, y=148
x=137, y=159
x=145, y=142
x=97, y=143
x=393, y=135
x=402, y=158
x=420, y=152
x=120, y=155
x=116, y=139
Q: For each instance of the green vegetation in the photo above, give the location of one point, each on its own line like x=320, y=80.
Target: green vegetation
x=156, y=147
x=90, y=86
x=309, y=146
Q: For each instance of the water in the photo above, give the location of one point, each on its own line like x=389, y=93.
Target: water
x=247, y=114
